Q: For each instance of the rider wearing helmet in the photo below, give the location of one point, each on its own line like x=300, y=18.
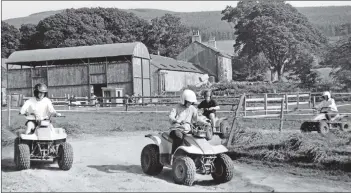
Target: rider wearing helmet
x=181, y=116
x=327, y=106
x=210, y=106
x=37, y=107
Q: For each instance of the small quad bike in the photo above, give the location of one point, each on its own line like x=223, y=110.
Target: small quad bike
x=321, y=124
x=221, y=126
x=195, y=155
x=43, y=143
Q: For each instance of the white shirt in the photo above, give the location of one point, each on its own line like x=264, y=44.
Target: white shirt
x=329, y=103
x=42, y=108
x=181, y=113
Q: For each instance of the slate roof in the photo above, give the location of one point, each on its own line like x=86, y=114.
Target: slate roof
x=166, y=63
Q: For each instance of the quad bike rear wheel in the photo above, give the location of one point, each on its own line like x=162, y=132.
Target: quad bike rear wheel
x=65, y=156
x=150, y=160
x=22, y=156
x=309, y=126
x=224, y=128
x=323, y=127
x=223, y=169
x=184, y=171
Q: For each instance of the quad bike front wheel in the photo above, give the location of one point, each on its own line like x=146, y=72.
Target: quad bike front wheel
x=15, y=149
x=223, y=169
x=209, y=132
x=184, y=171
x=224, y=129
x=150, y=160
x=65, y=156
x=22, y=156
x=323, y=127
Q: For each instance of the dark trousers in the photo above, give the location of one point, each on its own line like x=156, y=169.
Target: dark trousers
x=177, y=137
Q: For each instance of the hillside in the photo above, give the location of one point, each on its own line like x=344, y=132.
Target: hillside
x=209, y=22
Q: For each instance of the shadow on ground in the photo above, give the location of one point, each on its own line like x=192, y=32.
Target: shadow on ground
x=8, y=165
x=165, y=175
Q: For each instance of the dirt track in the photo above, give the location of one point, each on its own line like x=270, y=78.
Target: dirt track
x=113, y=164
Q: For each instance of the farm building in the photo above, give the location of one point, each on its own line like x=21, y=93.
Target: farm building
x=169, y=75
x=104, y=70
x=213, y=61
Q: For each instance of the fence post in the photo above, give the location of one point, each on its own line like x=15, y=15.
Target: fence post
x=314, y=101
x=245, y=105
x=286, y=103
x=309, y=100
x=237, y=111
x=127, y=104
x=281, y=115
x=9, y=110
x=298, y=100
x=265, y=103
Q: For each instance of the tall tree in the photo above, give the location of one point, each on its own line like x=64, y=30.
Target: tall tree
x=10, y=39
x=28, y=37
x=340, y=59
x=275, y=29
x=167, y=35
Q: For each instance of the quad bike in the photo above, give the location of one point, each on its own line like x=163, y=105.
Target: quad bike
x=43, y=143
x=221, y=126
x=321, y=124
x=195, y=155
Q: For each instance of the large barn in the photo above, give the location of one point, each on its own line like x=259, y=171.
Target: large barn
x=103, y=70
x=115, y=69
x=215, y=62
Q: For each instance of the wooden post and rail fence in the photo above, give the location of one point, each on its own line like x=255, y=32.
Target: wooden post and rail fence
x=252, y=103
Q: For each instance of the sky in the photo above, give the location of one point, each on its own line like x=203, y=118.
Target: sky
x=14, y=9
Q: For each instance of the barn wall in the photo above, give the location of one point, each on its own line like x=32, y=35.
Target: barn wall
x=141, y=77
x=19, y=78
x=68, y=75
x=175, y=80
x=60, y=91
x=25, y=91
x=119, y=72
x=154, y=80
x=225, y=72
x=200, y=55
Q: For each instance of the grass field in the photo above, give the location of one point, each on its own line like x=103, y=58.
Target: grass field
x=257, y=139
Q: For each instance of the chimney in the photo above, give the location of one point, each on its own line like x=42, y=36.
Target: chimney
x=212, y=42
x=196, y=36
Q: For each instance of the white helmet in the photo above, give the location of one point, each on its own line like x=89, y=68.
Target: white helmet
x=326, y=93
x=188, y=95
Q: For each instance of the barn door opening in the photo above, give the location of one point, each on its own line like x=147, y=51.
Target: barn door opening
x=98, y=89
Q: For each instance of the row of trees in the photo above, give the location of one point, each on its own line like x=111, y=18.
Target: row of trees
x=91, y=26
x=273, y=36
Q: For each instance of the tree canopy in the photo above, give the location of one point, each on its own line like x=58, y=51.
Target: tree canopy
x=92, y=26
x=275, y=29
x=79, y=27
x=167, y=35
x=10, y=39
x=340, y=59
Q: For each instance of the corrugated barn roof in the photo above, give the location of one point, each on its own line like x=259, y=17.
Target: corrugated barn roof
x=165, y=63
x=96, y=51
